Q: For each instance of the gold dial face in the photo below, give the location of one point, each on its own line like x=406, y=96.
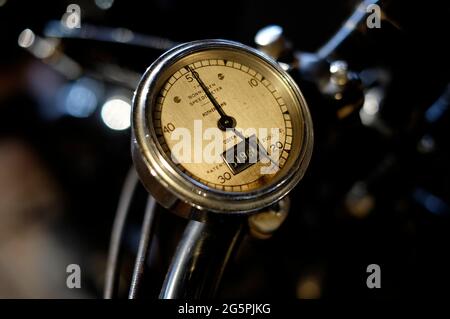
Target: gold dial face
x=227, y=120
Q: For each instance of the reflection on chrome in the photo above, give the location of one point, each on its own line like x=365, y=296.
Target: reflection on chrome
x=116, y=113
x=104, y=4
x=80, y=98
x=39, y=47
x=26, y=38
x=369, y=111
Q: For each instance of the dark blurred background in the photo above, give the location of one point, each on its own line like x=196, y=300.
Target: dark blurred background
x=373, y=194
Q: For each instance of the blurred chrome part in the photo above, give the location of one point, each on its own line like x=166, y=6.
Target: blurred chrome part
x=343, y=87
x=41, y=48
x=200, y=259
x=116, y=113
x=117, y=75
x=311, y=67
x=369, y=113
x=262, y=225
x=80, y=101
x=46, y=50
x=53, y=29
x=375, y=77
x=271, y=41
x=104, y=4
x=26, y=38
x=79, y=98
x=340, y=85
x=349, y=26
x=371, y=106
x=339, y=72
x=122, y=35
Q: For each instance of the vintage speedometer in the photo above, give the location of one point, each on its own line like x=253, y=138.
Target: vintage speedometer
x=220, y=127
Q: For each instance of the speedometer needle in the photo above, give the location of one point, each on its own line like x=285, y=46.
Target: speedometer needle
x=225, y=122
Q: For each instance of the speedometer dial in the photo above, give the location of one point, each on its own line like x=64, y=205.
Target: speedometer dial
x=221, y=127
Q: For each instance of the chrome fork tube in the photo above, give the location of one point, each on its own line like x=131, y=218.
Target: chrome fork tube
x=200, y=259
